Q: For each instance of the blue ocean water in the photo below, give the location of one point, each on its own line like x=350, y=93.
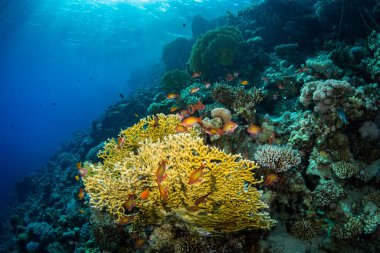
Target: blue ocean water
x=62, y=62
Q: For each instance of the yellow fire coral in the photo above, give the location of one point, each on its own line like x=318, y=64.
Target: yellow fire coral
x=222, y=199
x=153, y=127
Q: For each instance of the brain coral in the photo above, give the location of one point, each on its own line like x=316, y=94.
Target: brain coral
x=216, y=48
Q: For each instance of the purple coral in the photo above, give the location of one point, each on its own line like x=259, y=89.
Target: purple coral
x=277, y=158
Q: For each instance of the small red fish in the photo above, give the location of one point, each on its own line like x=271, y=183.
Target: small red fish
x=196, y=107
x=196, y=175
x=193, y=90
x=156, y=119
x=82, y=171
x=81, y=194
x=130, y=203
x=272, y=138
x=207, y=85
x=244, y=82
x=271, y=180
x=180, y=129
x=173, y=109
x=145, y=194
x=125, y=220
x=229, y=127
x=199, y=201
x=254, y=130
x=164, y=192
x=172, y=96
x=120, y=142
x=191, y=121
x=197, y=74
x=140, y=243
x=213, y=131
x=160, y=173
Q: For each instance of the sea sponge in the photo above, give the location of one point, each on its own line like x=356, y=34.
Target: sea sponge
x=277, y=158
x=232, y=202
x=215, y=49
x=222, y=113
x=345, y=170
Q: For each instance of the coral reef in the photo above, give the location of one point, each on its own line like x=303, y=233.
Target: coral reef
x=224, y=175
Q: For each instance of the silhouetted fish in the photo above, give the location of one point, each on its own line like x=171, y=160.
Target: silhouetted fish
x=121, y=95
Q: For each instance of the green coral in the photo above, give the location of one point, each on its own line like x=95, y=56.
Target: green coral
x=215, y=49
x=174, y=81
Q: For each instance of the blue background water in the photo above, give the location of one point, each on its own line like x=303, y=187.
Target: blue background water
x=62, y=62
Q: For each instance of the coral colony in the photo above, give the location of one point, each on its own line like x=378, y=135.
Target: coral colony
x=257, y=138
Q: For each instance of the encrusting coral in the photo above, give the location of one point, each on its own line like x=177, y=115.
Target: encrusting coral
x=155, y=181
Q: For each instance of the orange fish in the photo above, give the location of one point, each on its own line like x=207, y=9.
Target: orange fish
x=139, y=243
x=254, y=130
x=213, y=131
x=271, y=180
x=120, y=142
x=164, y=193
x=82, y=211
x=180, y=129
x=155, y=124
x=196, y=107
x=172, y=96
x=125, y=220
x=81, y=194
x=197, y=74
x=272, y=138
x=173, y=109
x=191, y=121
x=77, y=177
x=79, y=165
x=145, y=194
x=207, y=85
x=201, y=199
x=160, y=173
x=193, y=90
x=130, y=203
x=245, y=82
x=229, y=127
x=196, y=175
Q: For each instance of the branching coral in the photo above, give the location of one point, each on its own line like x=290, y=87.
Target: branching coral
x=225, y=200
x=345, y=170
x=277, y=158
x=326, y=193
